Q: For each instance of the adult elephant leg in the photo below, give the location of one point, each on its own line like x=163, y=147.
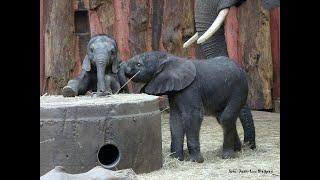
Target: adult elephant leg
x=193, y=123
x=248, y=127
x=177, y=130
x=77, y=86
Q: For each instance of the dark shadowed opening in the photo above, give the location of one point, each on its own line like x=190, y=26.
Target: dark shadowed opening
x=81, y=22
x=82, y=31
x=109, y=155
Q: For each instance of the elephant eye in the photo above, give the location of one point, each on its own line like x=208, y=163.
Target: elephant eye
x=113, y=52
x=91, y=49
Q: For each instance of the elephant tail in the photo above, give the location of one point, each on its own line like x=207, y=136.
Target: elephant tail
x=248, y=126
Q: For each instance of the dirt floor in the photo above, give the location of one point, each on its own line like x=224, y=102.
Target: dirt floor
x=262, y=163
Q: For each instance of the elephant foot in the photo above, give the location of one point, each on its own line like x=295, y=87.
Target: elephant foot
x=196, y=158
x=228, y=154
x=178, y=156
x=67, y=91
x=249, y=145
x=103, y=93
x=237, y=146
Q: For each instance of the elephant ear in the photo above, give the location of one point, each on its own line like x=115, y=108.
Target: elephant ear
x=86, y=65
x=172, y=75
x=228, y=3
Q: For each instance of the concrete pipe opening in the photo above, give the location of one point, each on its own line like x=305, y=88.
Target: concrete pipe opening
x=109, y=156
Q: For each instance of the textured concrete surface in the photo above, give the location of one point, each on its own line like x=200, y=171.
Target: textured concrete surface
x=73, y=129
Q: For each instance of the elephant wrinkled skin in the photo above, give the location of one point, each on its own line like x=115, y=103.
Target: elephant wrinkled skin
x=216, y=86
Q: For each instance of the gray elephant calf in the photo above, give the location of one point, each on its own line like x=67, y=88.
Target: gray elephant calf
x=216, y=86
x=99, y=69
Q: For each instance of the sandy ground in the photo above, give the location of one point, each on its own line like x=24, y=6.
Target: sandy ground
x=262, y=163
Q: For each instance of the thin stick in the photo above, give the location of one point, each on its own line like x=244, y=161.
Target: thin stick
x=127, y=82
x=165, y=109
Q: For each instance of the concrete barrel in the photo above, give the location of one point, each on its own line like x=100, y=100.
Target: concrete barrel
x=124, y=129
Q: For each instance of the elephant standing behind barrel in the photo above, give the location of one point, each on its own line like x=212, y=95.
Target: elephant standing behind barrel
x=209, y=19
x=100, y=69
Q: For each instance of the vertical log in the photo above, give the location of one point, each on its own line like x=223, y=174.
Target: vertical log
x=157, y=13
x=59, y=44
x=138, y=26
x=149, y=27
x=95, y=25
x=78, y=60
x=41, y=48
x=177, y=26
x=255, y=52
x=138, y=29
x=102, y=17
x=121, y=27
x=231, y=28
x=275, y=46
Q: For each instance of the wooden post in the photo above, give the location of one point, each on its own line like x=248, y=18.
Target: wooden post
x=59, y=42
x=275, y=47
x=177, y=26
x=41, y=48
x=255, y=52
x=231, y=28
x=121, y=27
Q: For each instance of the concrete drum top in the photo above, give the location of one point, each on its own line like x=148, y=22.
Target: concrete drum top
x=60, y=101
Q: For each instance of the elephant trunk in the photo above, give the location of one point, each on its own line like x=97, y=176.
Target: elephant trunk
x=101, y=84
x=205, y=14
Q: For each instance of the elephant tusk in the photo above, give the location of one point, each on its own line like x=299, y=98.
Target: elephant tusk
x=191, y=40
x=215, y=26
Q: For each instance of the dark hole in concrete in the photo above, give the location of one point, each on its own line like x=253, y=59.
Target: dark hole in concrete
x=109, y=155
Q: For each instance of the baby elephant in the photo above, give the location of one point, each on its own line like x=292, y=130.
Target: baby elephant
x=214, y=86
x=99, y=69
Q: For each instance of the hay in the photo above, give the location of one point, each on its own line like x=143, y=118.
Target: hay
x=262, y=163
